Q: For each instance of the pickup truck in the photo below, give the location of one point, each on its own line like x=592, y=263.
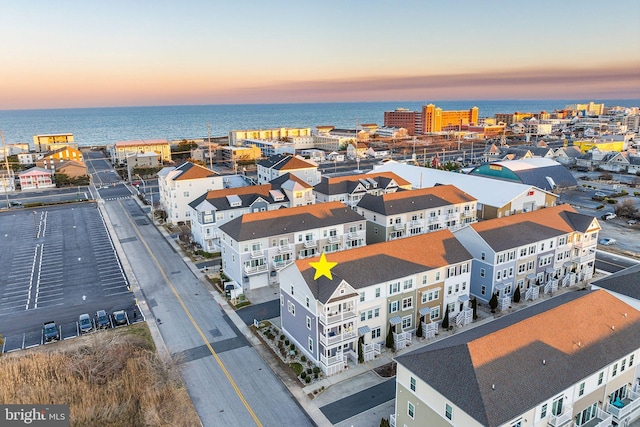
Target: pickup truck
x=50, y=331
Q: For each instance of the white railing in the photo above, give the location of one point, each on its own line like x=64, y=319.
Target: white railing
x=551, y=286
x=398, y=226
x=564, y=417
x=284, y=248
x=464, y=317
x=256, y=269
x=333, y=364
x=429, y=330
x=532, y=294
x=353, y=235
x=257, y=253
x=334, y=239
x=604, y=417
x=620, y=413
x=371, y=350
x=281, y=264
x=310, y=244
x=504, y=303
x=415, y=223
x=402, y=339
x=392, y=420
x=341, y=316
x=329, y=340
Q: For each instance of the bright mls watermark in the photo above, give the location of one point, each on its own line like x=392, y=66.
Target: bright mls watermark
x=34, y=415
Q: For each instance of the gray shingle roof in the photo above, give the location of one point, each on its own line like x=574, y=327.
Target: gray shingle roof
x=414, y=200
x=625, y=282
x=494, y=372
x=290, y=220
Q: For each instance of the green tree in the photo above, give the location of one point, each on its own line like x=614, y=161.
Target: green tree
x=445, y=319
x=390, y=343
x=493, y=303
x=360, y=351
x=384, y=422
x=474, y=306
x=516, y=294
x=419, y=330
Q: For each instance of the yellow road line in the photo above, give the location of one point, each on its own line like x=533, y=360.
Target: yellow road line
x=195, y=324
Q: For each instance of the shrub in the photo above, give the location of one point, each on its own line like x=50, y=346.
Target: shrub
x=315, y=375
x=292, y=347
x=316, y=369
x=286, y=342
x=281, y=337
x=309, y=371
x=599, y=207
x=307, y=380
x=612, y=201
x=303, y=358
x=303, y=375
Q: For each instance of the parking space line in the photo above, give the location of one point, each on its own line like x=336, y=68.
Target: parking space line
x=33, y=269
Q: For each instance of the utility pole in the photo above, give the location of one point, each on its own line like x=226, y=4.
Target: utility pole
x=6, y=163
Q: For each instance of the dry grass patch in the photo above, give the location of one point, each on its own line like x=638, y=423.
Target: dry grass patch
x=109, y=378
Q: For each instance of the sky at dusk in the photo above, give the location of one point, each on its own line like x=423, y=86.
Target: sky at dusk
x=58, y=54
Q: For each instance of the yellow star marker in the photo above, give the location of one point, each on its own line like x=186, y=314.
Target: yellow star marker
x=323, y=267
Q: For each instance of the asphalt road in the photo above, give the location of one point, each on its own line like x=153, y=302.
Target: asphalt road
x=227, y=380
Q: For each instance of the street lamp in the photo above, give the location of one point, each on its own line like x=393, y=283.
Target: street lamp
x=144, y=189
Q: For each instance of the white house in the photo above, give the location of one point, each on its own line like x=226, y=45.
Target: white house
x=275, y=166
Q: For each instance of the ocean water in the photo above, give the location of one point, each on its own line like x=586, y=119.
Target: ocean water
x=102, y=126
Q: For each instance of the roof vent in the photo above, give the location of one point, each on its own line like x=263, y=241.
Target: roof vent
x=613, y=328
x=544, y=361
x=493, y=386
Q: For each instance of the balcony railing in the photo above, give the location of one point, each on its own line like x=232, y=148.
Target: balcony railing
x=310, y=243
x=631, y=403
x=282, y=263
x=602, y=419
x=257, y=253
x=334, y=318
x=451, y=215
x=398, y=226
x=392, y=420
x=433, y=219
x=329, y=340
x=249, y=270
x=561, y=419
x=353, y=235
x=334, y=239
x=338, y=359
x=415, y=223
x=285, y=247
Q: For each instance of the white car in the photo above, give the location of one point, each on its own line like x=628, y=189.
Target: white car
x=607, y=241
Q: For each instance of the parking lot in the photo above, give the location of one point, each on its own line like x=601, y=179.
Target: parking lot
x=57, y=263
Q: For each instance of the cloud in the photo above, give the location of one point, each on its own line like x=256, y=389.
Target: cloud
x=558, y=83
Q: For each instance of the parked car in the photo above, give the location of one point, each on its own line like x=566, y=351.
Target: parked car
x=120, y=317
x=632, y=221
x=15, y=204
x=600, y=194
x=607, y=241
x=50, y=331
x=102, y=320
x=608, y=216
x=84, y=323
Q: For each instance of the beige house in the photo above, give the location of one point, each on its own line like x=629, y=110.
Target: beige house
x=569, y=361
x=122, y=149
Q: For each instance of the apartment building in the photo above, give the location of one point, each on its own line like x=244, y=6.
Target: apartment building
x=50, y=142
x=404, y=118
x=299, y=192
x=123, y=149
x=256, y=246
x=349, y=189
x=434, y=119
x=236, y=137
x=569, y=361
x=535, y=251
x=371, y=292
x=408, y=213
x=217, y=207
x=280, y=164
x=496, y=198
x=35, y=177
x=180, y=185
x=50, y=159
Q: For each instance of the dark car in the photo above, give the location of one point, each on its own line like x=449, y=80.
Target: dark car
x=102, y=320
x=120, y=317
x=84, y=323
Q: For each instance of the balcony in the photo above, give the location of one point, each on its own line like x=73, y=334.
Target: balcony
x=398, y=226
x=256, y=269
x=353, y=235
x=334, y=239
x=283, y=248
x=257, y=253
x=631, y=404
x=469, y=213
x=281, y=263
x=451, y=216
x=415, y=223
x=310, y=244
x=602, y=419
x=590, y=256
x=333, y=364
x=433, y=219
x=341, y=316
x=561, y=419
x=333, y=338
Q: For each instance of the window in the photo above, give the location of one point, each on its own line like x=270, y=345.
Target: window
x=307, y=301
x=291, y=307
x=406, y=322
x=451, y=272
x=500, y=258
x=424, y=279
x=408, y=284
x=499, y=275
x=615, y=369
x=437, y=276
x=523, y=252
x=376, y=312
x=448, y=411
x=310, y=344
x=581, y=389
x=435, y=313
x=292, y=288
x=393, y=306
x=413, y=384
x=449, y=290
x=556, y=407
x=375, y=333
x=622, y=364
x=363, y=316
x=483, y=289
x=517, y=423
x=361, y=296
x=543, y=411
x=394, y=288
x=407, y=303
x=457, y=288
x=521, y=268
x=482, y=272
x=377, y=292
x=631, y=360
x=600, y=377
x=282, y=300
x=532, y=250
x=411, y=410
x=308, y=322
